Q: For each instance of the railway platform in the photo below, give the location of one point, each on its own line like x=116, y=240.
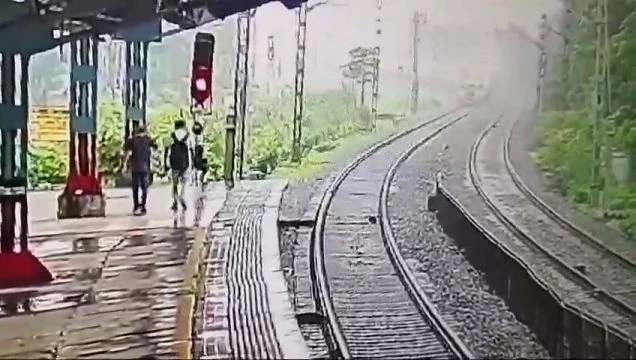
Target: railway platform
x=127, y=287
x=244, y=309
x=119, y=281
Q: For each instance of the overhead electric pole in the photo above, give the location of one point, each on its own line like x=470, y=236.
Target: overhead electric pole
x=543, y=61
x=375, y=85
x=415, y=87
x=244, y=31
x=235, y=122
x=299, y=85
x=601, y=102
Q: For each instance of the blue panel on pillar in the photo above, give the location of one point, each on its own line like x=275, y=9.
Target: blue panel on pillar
x=83, y=73
x=135, y=113
x=137, y=73
x=83, y=124
x=148, y=31
x=13, y=117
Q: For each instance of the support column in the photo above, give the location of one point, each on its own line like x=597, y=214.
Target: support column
x=137, y=40
x=136, y=93
x=83, y=195
x=16, y=268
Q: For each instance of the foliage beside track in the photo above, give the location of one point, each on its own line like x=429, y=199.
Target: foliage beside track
x=330, y=118
x=564, y=149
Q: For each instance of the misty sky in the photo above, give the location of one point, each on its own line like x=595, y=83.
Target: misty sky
x=335, y=28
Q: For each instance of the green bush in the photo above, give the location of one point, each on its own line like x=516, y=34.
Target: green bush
x=328, y=118
x=48, y=164
x=564, y=153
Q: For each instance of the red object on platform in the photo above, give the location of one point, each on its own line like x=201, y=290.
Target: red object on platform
x=22, y=269
x=201, y=84
x=83, y=185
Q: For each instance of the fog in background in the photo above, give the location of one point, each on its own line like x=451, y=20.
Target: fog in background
x=457, y=38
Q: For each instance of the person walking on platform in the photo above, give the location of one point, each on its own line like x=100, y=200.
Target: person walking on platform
x=177, y=159
x=138, y=151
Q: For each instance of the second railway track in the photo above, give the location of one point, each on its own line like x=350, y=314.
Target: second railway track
x=594, y=279
x=372, y=303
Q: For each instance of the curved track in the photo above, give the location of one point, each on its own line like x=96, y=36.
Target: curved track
x=605, y=285
x=618, y=256
x=371, y=300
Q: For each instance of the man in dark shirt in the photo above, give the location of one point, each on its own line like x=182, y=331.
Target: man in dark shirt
x=138, y=150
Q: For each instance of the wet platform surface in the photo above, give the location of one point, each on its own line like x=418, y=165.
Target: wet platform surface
x=118, y=281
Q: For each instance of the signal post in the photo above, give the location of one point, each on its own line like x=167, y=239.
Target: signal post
x=201, y=99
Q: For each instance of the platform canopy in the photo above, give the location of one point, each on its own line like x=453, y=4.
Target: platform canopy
x=31, y=26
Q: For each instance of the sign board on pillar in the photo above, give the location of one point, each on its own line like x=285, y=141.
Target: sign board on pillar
x=49, y=124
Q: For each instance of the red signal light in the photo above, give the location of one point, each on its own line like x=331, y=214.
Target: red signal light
x=201, y=84
x=201, y=80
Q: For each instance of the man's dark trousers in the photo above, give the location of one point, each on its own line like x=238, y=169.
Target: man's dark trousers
x=140, y=182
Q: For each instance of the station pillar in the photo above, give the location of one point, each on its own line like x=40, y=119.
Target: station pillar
x=83, y=195
x=17, y=268
x=136, y=93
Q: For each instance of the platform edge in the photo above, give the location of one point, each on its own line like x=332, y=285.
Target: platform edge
x=289, y=337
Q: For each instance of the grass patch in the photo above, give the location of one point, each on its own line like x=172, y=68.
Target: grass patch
x=319, y=163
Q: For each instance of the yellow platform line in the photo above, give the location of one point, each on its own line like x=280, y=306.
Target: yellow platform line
x=187, y=296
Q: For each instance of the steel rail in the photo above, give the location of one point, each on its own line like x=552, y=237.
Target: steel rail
x=318, y=273
x=426, y=307
x=551, y=212
x=575, y=275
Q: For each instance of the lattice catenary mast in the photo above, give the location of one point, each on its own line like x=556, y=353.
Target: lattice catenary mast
x=299, y=84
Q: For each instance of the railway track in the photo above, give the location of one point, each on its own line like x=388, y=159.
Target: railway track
x=626, y=256
x=600, y=281
x=361, y=284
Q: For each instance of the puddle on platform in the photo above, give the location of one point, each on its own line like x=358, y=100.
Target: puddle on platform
x=32, y=302
x=90, y=274
x=111, y=297
x=137, y=240
x=88, y=244
x=74, y=244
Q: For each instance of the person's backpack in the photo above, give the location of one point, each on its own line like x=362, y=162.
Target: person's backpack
x=198, y=157
x=179, y=159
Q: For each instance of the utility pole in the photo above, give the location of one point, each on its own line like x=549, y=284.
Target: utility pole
x=235, y=120
x=415, y=87
x=543, y=61
x=244, y=30
x=299, y=85
x=376, y=66
x=601, y=102
x=271, y=64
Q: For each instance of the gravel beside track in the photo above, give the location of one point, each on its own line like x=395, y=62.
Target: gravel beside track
x=371, y=307
x=459, y=292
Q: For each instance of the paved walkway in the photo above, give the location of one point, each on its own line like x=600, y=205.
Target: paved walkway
x=121, y=283
x=245, y=310
x=127, y=287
